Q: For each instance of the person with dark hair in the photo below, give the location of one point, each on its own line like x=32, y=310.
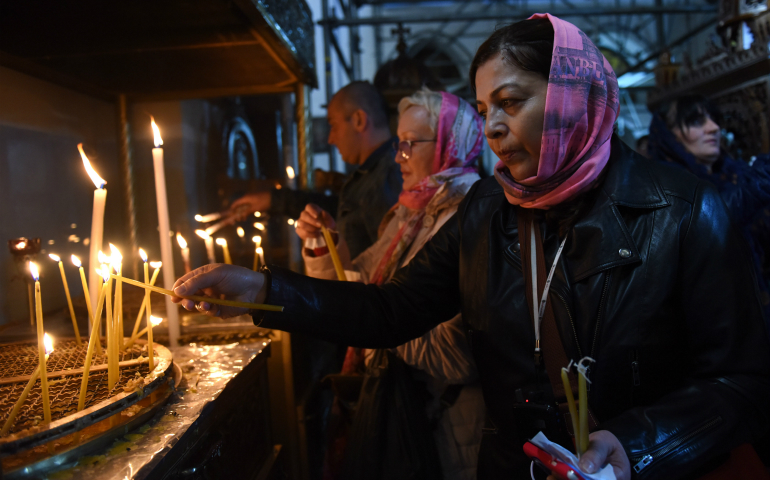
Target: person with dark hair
x=687, y=134
x=358, y=122
x=577, y=247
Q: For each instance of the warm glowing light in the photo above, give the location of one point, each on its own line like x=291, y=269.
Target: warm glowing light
x=222, y=242
x=257, y=214
x=34, y=271
x=156, y=264
x=259, y=226
x=155, y=320
x=48, y=342
x=76, y=261
x=143, y=255
x=102, y=257
x=260, y=251
x=116, y=256
x=199, y=218
x=55, y=258
x=181, y=241
x=156, y=132
x=257, y=239
x=290, y=172
x=203, y=234
x=21, y=245
x=99, y=182
x=240, y=232
x=290, y=221
x=105, y=273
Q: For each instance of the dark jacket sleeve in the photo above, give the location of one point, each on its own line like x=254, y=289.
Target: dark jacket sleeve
x=749, y=194
x=380, y=204
x=724, y=401
x=291, y=202
x=420, y=296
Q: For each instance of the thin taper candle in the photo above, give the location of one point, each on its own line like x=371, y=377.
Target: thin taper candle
x=56, y=258
x=23, y=398
x=157, y=266
x=92, y=342
x=333, y=252
x=571, y=404
x=41, y=345
x=150, y=344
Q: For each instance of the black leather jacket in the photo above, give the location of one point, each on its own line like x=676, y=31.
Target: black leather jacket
x=654, y=283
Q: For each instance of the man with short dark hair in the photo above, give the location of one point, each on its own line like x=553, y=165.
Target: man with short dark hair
x=358, y=127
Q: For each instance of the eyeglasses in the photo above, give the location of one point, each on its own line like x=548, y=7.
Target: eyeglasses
x=405, y=147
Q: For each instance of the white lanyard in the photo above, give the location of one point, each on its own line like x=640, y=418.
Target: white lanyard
x=537, y=316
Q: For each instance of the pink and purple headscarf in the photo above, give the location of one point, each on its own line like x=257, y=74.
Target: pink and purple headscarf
x=581, y=106
x=459, y=141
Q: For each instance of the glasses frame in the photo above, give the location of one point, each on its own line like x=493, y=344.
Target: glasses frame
x=405, y=146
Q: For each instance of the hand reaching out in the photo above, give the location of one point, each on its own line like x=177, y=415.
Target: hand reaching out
x=310, y=221
x=224, y=282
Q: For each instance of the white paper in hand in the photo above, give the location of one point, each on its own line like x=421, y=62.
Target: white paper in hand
x=570, y=459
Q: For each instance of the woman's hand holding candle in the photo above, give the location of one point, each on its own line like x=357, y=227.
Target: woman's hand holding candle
x=235, y=283
x=311, y=220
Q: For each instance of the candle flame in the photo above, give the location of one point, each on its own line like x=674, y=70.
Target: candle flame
x=21, y=245
x=102, y=257
x=259, y=226
x=222, y=242
x=48, y=342
x=290, y=221
x=257, y=239
x=290, y=172
x=240, y=232
x=116, y=256
x=34, y=271
x=155, y=320
x=99, y=182
x=260, y=251
x=55, y=258
x=75, y=261
x=181, y=241
x=143, y=255
x=199, y=218
x=203, y=234
x=105, y=272
x=156, y=265
x=257, y=214
x=156, y=132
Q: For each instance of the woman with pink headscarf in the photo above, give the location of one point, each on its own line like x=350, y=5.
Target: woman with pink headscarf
x=440, y=139
x=578, y=247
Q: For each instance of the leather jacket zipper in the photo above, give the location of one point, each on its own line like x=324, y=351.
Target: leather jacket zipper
x=601, y=309
x=572, y=322
x=645, y=459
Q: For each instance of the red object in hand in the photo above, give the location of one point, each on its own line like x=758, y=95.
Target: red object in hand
x=559, y=469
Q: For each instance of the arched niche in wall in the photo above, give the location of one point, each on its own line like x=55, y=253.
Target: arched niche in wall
x=242, y=157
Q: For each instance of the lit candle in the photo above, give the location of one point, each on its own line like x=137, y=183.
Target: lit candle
x=48, y=342
x=89, y=305
x=219, y=225
x=223, y=243
x=97, y=223
x=259, y=226
x=152, y=321
x=257, y=214
x=261, y=254
x=41, y=344
x=117, y=265
x=185, y=253
x=156, y=266
x=209, y=245
x=240, y=231
x=257, y=241
x=93, y=342
x=290, y=176
x=56, y=258
x=208, y=218
x=571, y=404
x=165, y=242
x=110, y=328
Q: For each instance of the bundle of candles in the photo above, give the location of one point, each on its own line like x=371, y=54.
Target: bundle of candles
x=578, y=412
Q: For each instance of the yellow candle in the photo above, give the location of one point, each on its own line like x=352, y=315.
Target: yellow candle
x=185, y=253
x=92, y=342
x=89, y=305
x=41, y=344
x=156, y=266
x=583, y=400
x=12, y=417
x=258, y=242
x=111, y=380
x=571, y=403
x=223, y=243
x=56, y=258
x=117, y=264
x=148, y=310
x=97, y=219
x=333, y=252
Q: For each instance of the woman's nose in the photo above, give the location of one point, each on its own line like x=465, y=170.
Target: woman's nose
x=493, y=127
x=711, y=126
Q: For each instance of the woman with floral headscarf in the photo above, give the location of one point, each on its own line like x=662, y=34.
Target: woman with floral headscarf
x=440, y=142
x=578, y=247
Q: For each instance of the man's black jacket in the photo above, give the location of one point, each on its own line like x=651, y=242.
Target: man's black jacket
x=654, y=283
